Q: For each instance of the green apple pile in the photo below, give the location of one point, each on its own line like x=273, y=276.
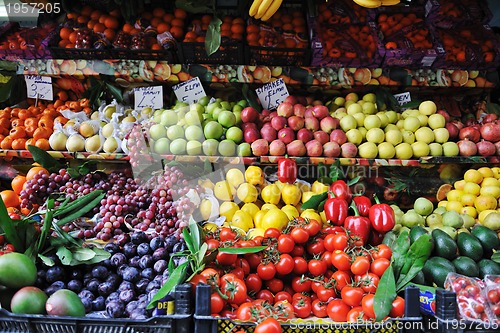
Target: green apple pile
x=387, y=134
x=201, y=128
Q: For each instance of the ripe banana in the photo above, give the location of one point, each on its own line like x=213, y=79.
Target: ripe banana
x=272, y=10
x=263, y=8
x=390, y=2
x=369, y=3
x=254, y=7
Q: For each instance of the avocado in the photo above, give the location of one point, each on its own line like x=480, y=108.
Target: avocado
x=29, y=300
x=488, y=238
x=487, y=266
x=444, y=245
x=416, y=232
x=470, y=246
x=466, y=266
x=436, y=269
x=65, y=302
x=419, y=278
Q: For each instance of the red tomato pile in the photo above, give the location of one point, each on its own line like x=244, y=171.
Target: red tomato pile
x=305, y=271
x=471, y=302
x=5, y=247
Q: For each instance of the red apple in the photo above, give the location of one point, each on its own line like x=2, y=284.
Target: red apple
x=328, y=124
x=296, y=148
x=453, y=130
x=296, y=123
x=445, y=114
x=490, y=132
x=331, y=149
x=278, y=122
x=321, y=136
x=304, y=135
x=251, y=135
x=489, y=118
x=311, y=124
x=268, y=133
x=338, y=136
x=320, y=111
x=458, y=123
x=260, y=147
x=348, y=149
x=286, y=135
x=277, y=148
x=314, y=148
x=467, y=148
x=469, y=133
x=290, y=99
x=309, y=113
x=486, y=148
x=299, y=110
x=285, y=109
x=249, y=115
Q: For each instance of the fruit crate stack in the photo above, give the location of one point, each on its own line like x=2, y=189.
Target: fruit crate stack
x=23, y=43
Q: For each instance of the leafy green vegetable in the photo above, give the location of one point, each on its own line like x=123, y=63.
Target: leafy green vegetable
x=418, y=254
x=315, y=201
x=399, y=252
x=177, y=277
x=385, y=294
x=242, y=250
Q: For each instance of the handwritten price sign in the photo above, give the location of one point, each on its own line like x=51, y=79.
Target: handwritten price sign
x=148, y=97
x=403, y=98
x=190, y=91
x=272, y=94
x=39, y=87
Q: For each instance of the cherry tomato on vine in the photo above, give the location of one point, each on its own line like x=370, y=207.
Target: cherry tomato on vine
x=212, y=244
x=268, y=325
x=356, y=314
x=367, y=305
x=227, y=234
x=493, y=296
x=341, y=260
x=234, y=288
x=379, y=266
x=369, y=282
x=243, y=264
x=318, y=308
x=382, y=251
x=313, y=227
x=266, y=271
x=337, y=310
x=300, y=285
x=324, y=294
x=238, y=272
x=272, y=233
x=228, y=313
x=226, y=259
x=352, y=296
x=285, y=265
x=298, y=251
x=284, y=307
x=299, y=235
x=342, y=278
x=244, y=312
x=216, y=302
x=398, y=307
x=316, y=247
x=282, y=296
x=300, y=266
x=285, y=243
x=253, y=282
x=317, y=267
x=315, y=284
x=301, y=308
x=360, y=265
x=266, y=295
x=274, y=285
x=327, y=258
x=253, y=259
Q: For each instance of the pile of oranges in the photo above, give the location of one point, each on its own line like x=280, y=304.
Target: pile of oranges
x=21, y=127
x=393, y=27
x=341, y=12
x=231, y=27
x=468, y=44
x=351, y=42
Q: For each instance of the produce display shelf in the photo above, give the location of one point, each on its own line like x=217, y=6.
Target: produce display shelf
x=9, y=154
x=140, y=71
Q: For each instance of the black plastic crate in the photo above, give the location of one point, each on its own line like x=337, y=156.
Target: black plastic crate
x=272, y=56
x=229, y=53
x=205, y=323
x=179, y=322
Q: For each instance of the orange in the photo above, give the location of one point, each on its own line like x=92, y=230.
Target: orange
x=158, y=12
x=34, y=171
x=62, y=95
x=168, y=17
x=29, y=142
x=109, y=34
x=19, y=144
x=9, y=198
x=176, y=32
x=127, y=27
x=6, y=142
x=82, y=19
x=91, y=24
x=65, y=32
x=163, y=27
x=180, y=13
x=17, y=183
x=72, y=38
x=43, y=144
x=99, y=27
x=111, y=22
x=115, y=13
x=95, y=15
x=237, y=28
x=252, y=28
x=177, y=22
x=17, y=132
x=155, y=21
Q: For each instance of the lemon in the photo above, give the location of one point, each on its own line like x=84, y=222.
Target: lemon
x=468, y=199
x=318, y=187
x=493, y=191
x=490, y=181
x=454, y=195
x=472, y=188
x=454, y=206
x=307, y=195
x=242, y=220
x=235, y=177
x=205, y=209
x=486, y=172
x=255, y=232
x=210, y=226
x=247, y=193
x=459, y=184
x=227, y=209
x=311, y=214
x=304, y=187
x=268, y=206
x=496, y=172
x=250, y=208
x=275, y=218
x=468, y=210
x=323, y=218
x=291, y=194
x=254, y=175
x=257, y=220
x=224, y=191
x=473, y=176
x=485, y=202
x=279, y=184
x=271, y=194
x=482, y=215
x=290, y=211
x=442, y=203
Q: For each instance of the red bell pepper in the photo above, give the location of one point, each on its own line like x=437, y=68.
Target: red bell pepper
x=358, y=225
x=363, y=204
x=336, y=210
x=287, y=170
x=382, y=217
x=376, y=237
x=340, y=189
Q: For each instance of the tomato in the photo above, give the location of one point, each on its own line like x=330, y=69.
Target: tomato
x=493, y=296
x=253, y=282
x=341, y=260
x=227, y=234
x=216, y=302
x=352, y=296
x=324, y=293
x=328, y=242
x=496, y=309
x=299, y=235
x=246, y=243
x=272, y=233
x=285, y=265
x=266, y=295
x=282, y=296
x=337, y=310
x=318, y=309
x=327, y=258
x=285, y=243
x=367, y=305
x=472, y=290
x=243, y=264
x=244, y=311
x=302, y=308
x=315, y=284
x=379, y=266
x=234, y=288
x=228, y=313
x=298, y=251
x=268, y=325
x=356, y=314
x=238, y=272
x=398, y=307
x=313, y=227
x=360, y=265
x=340, y=241
x=197, y=279
x=300, y=285
x=266, y=271
x=317, y=267
x=382, y=251
x=299, y=296
x=478, y=308
x=369, y=282
x=212, y=244
x=258, y=240
x=332, y=230
x=253, y=259
x=300, y=266
x=316, y=247
x=275, y=285
x=342, y=278
x=226, y=259
x=285, y=309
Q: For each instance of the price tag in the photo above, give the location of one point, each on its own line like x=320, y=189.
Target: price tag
x=272, y=94
x=39, y=87
x=148, y=97
x=403, y=98
x=190, y=91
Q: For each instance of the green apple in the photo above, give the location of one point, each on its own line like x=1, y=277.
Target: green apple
x=363, y=131
x=210, y=147
x=237, y=108
x=244, y=149
x=408, y=136
x=427, y=108
x=180, y=105
x=211, y=107
x=369, y=108
x=392, y=116
x=435, y=149
x=383, y=118
x=204, y=100
x=217, y=112
x=348, y=122
x=340, y=113
x=225, y=105
x=169, y=118
x=450, y=149
x=354, y=108
x=404, y=151
x=411, y=124
x=394, y=137
x=157, y=131
x=197, y=107
x=386, y=150
x=375, y=135
x=226, y=119
x=193, y=118
x=235, y=134
x=243, y=103
x=423, y=119
x=372, y=121
x=441, y=135
x=437, y=120
x=213, y=130
x=368, y=150
x=400, y=123
x=354, y=136
x=410, y=113
x=175, y=132
x=370, y=97
x=193, y=148
x=352, y=97
x=360, y=118
x=390, y=127
x=420, y=149
x=424, y=134
x=162, y=146
x=227, y=148
x=178, y=146
x=194, y=132
x=340, y=101
x=361, y=102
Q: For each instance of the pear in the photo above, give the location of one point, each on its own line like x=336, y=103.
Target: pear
x=109, y=110
x=107, y=130
x=87, y=129
x=75, y=143
x=57, y=140
x=93, y=144
x=110, y=145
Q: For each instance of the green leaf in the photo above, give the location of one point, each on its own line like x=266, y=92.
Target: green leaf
x=399, y=251
x=177, y=277
x=496, y=257
x=385, y=294
x=115, y=92
x=353, y=181
x=188, y=240
x=242, y=250
x=194, y=231
x=9, y=228
x=46, y=260
x=314, y=201
x=83, y=254
x=44, y=159
x=82, y=211
x=213, y=37
x=251, y=97
x=73, y=172
x=98, y=258
x=202, y=252
x=418, y=254
x=6, y=90
x=64, y=255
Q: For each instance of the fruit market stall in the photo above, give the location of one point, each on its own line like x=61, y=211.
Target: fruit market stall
x=303, y=165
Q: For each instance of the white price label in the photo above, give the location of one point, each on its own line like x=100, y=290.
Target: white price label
x=272, y=94
x=148, y=97
x=403, y=98
x=190, y=91
x=39, y=87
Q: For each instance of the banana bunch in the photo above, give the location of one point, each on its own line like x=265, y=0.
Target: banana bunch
x=376, y=3
x=264, y=9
